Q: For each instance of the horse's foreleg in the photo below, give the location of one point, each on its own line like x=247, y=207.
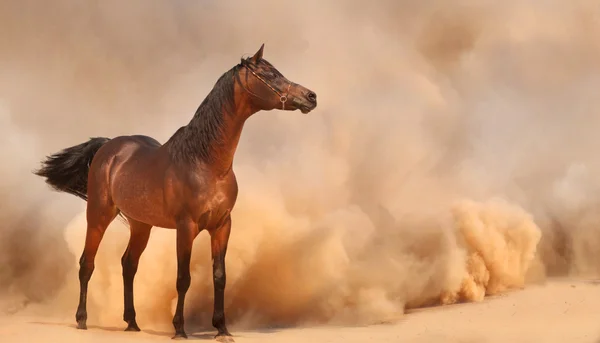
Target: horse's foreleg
x=218, y=241
x=138, y=240
x=186, y=232
x=98, y=219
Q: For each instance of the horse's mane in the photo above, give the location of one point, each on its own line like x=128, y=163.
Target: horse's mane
x=196, y=140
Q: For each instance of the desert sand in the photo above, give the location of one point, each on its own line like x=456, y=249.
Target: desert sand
x=557, y=311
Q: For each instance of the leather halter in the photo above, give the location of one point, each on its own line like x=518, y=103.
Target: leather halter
x=283, y=98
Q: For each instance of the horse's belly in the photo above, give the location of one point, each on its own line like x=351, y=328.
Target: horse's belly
x=149, y=215
x=140, y=197
x=144, y=207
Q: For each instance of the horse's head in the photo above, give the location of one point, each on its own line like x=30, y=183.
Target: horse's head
x=269, y=89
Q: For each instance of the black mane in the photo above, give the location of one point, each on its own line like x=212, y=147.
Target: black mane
x=196, y=140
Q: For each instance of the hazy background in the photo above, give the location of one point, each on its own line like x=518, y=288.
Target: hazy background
x=453, y=152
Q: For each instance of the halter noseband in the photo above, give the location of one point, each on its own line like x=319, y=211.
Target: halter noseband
x=283, y=98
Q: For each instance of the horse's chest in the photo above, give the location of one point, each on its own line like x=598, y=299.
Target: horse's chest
x=217, y=206
x=222, y=196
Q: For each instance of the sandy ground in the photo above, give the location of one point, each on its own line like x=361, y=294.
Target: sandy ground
x=558, y=311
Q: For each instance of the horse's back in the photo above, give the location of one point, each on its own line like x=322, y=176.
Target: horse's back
x=132, y=154
x=122, y=148
x=136, y=141
x=129, y=168
x=148, y=141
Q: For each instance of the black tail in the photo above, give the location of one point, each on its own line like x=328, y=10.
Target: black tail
x=67, y=170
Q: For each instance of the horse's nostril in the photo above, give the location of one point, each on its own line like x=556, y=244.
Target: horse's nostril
x=312, y=96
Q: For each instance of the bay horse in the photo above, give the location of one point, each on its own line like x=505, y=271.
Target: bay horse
x=186, y=184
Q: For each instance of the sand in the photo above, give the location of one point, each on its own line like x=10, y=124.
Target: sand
x=557, y=311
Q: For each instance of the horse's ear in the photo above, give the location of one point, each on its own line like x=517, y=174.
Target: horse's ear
x=258, y=55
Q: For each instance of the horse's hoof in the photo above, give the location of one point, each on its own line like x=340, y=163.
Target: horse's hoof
x=180, y=335
x=81, y=325
x=224, y=338
x=133, y=327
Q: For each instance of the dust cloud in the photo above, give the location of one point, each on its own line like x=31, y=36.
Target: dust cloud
x=452, y=155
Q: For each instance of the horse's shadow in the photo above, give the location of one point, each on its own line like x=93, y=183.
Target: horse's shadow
x=197, y=334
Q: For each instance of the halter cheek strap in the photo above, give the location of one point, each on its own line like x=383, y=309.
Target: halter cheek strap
x=283, y=98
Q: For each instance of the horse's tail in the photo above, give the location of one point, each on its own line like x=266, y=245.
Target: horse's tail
x=67, y=170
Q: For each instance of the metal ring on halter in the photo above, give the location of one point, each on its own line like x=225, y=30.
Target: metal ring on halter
x=284, y=98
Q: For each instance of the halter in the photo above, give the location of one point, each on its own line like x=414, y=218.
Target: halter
x=283, y=98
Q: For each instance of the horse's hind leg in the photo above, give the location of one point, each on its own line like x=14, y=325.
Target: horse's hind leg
x=138, y=239
x=100, y=213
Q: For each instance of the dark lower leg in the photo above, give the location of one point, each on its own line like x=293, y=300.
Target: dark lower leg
x=129, y=270
x=185, y=239
x=219, y=281
x=137, y=243
x=85, y=273
x=219, y=239
x=86, y=268
x=183, y=284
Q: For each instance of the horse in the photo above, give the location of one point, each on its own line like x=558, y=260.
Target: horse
x=186, y=184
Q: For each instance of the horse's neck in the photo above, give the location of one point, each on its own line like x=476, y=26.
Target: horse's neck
x=225, y=147
x=212, y=136
x=215, y=147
